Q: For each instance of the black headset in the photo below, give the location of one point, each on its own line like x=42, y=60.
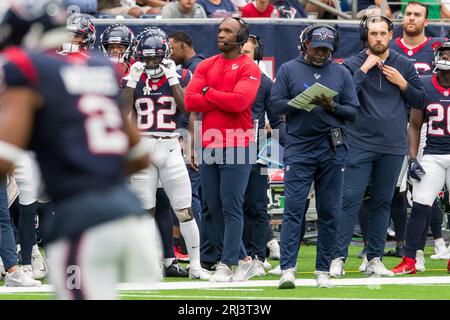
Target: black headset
x=308, y=31
x=243, y=33
x=364, y=30
x=259, y=49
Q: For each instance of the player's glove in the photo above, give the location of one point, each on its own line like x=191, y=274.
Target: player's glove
x=170, y=71
x=135, y=74
x=415, y=170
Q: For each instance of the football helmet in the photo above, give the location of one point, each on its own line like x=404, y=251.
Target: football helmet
x=439, y=62
x=33, y=24
x=121, y=35
x=152, y=47
x=82, y=32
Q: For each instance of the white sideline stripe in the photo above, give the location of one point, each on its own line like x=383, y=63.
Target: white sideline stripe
x=248, y=284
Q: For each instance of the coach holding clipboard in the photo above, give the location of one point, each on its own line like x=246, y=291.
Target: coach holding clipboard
x=315, y=146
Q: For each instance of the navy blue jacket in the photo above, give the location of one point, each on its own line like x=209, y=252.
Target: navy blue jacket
x=261, y=106
x=308, y=131
x=380, y=125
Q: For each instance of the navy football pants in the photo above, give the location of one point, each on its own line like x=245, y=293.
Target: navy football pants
x=326, y=171
x=384, y=170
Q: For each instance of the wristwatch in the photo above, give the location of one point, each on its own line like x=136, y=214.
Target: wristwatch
x=204, y=90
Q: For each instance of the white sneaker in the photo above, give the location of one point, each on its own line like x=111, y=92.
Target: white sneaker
x=439, y=246
x=199, y=274
x=40, y=269
x=420, y=261
x=259, y=268
x=267, y=265
x=377, y=268
x=441, y=251
x=2, y=270
x=275, y=271
x=337, y=268
x=19, y=278
x=323, y=279
x=287, y=280
x=363, y=266
x=244, y=271
x=28, y=270
x=223, y=273
x=274, y=249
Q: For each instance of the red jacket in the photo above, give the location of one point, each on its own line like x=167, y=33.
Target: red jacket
x=226, y=106
x=250, y=11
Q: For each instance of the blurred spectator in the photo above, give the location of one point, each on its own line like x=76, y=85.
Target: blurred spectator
x=364, y=5
x=156, y=5
x=258, y=9
x=125, y=7
x=290, y=9
x=183, y=9
x=217, y=8
x=316, y=12
x=445, y=9
x=84, y=6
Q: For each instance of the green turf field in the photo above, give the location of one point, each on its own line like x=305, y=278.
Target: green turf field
x=305, y=271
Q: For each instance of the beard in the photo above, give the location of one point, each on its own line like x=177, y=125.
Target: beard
x=415, y=32
x=378, y=49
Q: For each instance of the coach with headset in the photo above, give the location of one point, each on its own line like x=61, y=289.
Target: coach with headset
x=315, y=146
x=224, y=88
x=387, y=83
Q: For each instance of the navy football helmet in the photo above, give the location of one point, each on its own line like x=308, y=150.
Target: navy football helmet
x=83, y=34
x=121, y=35
x=438, y=62
x=29, y=22
x=152, y=47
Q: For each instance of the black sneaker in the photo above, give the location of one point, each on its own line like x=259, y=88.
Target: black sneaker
x=398, y=252
x=210, y=266
x=175, y=270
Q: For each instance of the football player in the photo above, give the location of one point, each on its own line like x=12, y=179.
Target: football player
x=81, y=32
x=433, y=170
x=117, y=43
x=420, y=50
x=155, y=93
x=99, y=234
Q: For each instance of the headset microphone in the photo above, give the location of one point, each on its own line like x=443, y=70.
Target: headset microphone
x=232, y=43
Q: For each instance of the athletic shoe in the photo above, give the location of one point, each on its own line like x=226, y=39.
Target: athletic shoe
x=407, y=266
x=420, y=261
x=287, y=280
x=267, y=265
x=377, y=268
x=175, y=270
x=397, y=252
x=223, y=273
x=323, y=279
x=199, y=274
x=274, y=249
x=441, y=252
x=245, y=270
x=439, y=247
x=337, y=268
x=2, y=269
x=210, y=266
x=275, y=271
x=19, y=278
x=362, y=253
x=40, y=269
x=259, y=268
x=180, y=255
x=363, y=266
